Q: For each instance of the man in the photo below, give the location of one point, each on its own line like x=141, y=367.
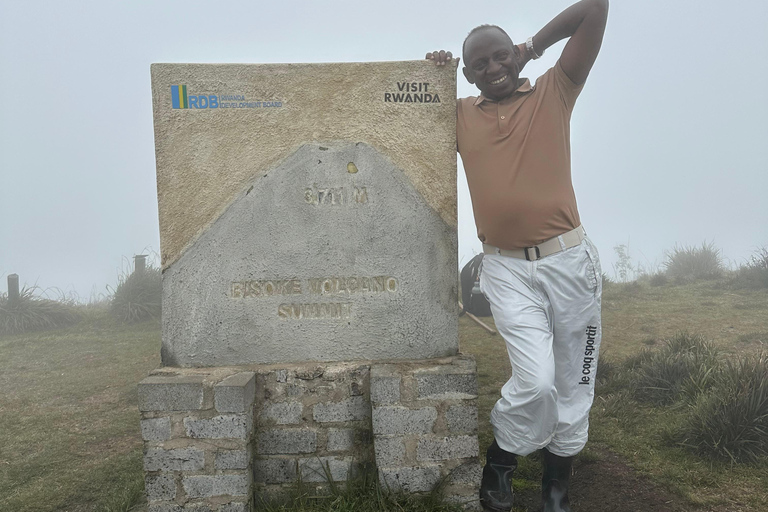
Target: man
x=540, y=273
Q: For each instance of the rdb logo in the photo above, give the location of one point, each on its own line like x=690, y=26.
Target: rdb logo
x=179, y=99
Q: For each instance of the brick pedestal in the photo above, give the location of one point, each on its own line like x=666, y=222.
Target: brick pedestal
x=198, y=429
x=226, y=439
x=425, y=427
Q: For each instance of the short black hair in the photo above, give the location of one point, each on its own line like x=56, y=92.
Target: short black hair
x=477, y=28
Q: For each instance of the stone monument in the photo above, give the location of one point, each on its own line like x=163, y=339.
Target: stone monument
x=308, y=245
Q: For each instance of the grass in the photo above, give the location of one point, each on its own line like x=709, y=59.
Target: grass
x=636, y=312
x=638, y=318
x=69, y=434
x=722, y=406
x=731, y=422
x=33, y=312
x=691, y=263
x=137, y=297
x=753, y=274
x=363, y=494
x=684, y=367
x=69, y=422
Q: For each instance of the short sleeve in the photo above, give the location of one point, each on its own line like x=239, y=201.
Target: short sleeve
x=568, y=90
x=463, y=106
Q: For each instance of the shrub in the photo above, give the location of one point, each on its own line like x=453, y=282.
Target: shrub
x=138, y=296
x=658, y=279
x=32, y=312
x=731, y=422
x=689, y=263
x=760, y=258
x=755, y=273
x=624, y=270
x=683, y=368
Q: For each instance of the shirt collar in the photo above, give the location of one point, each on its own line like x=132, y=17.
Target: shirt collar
x=523, y=88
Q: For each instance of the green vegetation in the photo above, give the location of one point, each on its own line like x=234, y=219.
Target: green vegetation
x=69, y=420
x=690, y=264
x=683, y=368
x=33, y=313
x=753, y=274
x=364, y=494
x=731, y=422
x=686, y=264
x=138, y=296
x=680, y=407
x=722, y=407
x=681, y=394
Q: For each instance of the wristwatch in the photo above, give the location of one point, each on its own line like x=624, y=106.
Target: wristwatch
x=531, y=52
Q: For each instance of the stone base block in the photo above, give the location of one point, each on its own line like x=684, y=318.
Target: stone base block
x=215, y=439
x=198, y=447
x=424, y=420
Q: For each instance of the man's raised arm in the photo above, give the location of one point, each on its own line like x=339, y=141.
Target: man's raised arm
x=584, y=23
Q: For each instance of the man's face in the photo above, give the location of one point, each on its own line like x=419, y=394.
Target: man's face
x=491, y=63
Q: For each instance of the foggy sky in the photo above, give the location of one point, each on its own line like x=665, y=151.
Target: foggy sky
x=668, y=137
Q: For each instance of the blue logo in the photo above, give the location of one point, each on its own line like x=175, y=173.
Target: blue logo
x=181, y=100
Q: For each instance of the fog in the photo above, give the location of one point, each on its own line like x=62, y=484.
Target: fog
x=668, y=137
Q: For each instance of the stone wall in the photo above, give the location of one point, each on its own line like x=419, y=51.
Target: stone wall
x=424, y=418
x=226, y=439
x=313, y=421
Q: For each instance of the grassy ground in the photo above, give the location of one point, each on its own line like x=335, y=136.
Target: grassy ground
x=638, y=316
x=69, y=422
x=69, y=435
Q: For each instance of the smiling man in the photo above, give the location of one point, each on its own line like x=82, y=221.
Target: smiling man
x=540, y=273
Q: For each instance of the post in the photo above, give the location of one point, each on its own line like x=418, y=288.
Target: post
x=139, y=263
x=13, y=290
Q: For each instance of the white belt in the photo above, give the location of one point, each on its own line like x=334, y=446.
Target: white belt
x=553, y=245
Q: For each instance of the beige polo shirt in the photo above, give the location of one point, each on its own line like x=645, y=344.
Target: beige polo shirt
x=517, y=157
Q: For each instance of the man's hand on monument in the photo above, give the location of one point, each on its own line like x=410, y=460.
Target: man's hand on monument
x=440, y=57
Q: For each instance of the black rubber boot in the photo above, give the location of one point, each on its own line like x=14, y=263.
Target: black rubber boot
x=554, y=482
x=496, y=486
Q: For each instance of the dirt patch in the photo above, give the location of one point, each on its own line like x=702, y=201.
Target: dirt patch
x=608, y=485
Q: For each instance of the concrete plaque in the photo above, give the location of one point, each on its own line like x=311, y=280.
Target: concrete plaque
x=307, y=212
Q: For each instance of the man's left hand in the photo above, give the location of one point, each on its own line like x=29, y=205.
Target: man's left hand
x=441, y=57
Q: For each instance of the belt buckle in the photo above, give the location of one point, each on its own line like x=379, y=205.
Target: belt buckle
x=528, y=256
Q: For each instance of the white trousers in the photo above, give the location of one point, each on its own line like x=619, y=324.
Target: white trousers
x=548, y=312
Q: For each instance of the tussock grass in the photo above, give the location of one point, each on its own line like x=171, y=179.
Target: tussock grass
x=684, y=367
x=33, y=312
x=754, y=337
x=138, y=296
x=638, y=322
x=685, y=264
x=721, y=405
x=658, y=279
x=606, y=369
x=754, y=274
x=731, y=422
